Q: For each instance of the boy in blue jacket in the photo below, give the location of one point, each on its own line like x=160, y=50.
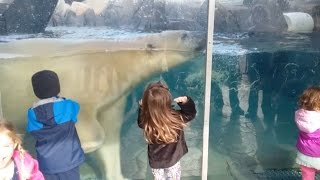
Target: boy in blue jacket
x=51, y=121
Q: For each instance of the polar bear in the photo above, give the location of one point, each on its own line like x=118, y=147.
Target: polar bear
x=99, y=74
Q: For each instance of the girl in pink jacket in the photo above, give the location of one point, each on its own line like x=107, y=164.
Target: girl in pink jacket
x=15, y=162
x=307, y=118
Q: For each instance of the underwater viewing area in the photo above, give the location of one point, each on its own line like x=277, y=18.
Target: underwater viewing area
x=105, y=52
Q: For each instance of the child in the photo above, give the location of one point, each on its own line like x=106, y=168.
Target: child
x=163, y=129
x=15, y=162
x=51, y=121
x=307, y=118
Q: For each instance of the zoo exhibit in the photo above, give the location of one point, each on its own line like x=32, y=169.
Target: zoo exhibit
x=265, y=53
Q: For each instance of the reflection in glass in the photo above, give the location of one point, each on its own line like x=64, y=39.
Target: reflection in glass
x=263, y=59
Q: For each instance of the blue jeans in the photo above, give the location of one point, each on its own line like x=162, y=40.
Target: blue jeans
x=72, y=174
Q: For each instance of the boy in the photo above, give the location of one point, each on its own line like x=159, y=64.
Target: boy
x=51, y=121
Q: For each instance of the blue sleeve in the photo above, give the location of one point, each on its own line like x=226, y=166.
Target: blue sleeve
x=65, y=111
x=32, y=123
x=75, y=112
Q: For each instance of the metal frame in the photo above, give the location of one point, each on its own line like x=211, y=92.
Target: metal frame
x=207, y=94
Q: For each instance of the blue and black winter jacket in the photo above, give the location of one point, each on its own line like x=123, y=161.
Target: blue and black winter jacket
x=57, y=143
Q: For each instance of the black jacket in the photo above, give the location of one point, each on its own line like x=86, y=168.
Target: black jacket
x=167, y=155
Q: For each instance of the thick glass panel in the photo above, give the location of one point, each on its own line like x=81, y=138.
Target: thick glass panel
x=265, y=54
x=105, y=53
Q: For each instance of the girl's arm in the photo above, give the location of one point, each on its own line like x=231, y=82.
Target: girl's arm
x=28, y=167
x=188, y=108
x=35, y=172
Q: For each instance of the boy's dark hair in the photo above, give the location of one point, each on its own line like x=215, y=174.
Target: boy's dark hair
x=45, y=84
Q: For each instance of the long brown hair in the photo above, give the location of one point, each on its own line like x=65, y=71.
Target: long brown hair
x=310, y=99
x=160, y=122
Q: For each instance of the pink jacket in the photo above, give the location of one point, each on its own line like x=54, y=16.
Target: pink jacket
x=308, y=122
x=30, y=166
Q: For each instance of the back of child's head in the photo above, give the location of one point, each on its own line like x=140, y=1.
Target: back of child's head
x=45, y=84
x=161, y=123
x=157, y=96
x=9, y=129
x=310, y=99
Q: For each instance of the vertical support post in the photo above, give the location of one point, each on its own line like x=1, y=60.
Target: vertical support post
x=1, y=112
x=207, y=94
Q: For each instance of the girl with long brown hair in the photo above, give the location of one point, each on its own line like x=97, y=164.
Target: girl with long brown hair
x=15, y=162
x=163, y=129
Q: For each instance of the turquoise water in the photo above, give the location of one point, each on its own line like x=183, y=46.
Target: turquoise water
x=254, y=95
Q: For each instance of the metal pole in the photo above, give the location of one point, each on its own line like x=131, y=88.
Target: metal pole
x=207, y=94
x=1, y=112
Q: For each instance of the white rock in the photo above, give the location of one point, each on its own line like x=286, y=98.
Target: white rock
x=97, y=5
x=79, y=8
x=299, y=22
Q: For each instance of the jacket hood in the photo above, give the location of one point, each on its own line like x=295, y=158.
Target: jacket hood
x=307, y=121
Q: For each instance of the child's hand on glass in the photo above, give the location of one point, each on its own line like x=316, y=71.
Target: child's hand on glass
x=181, y=99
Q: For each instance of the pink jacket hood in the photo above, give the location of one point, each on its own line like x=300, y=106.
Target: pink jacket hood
x=28, y=165
x=308, y=123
